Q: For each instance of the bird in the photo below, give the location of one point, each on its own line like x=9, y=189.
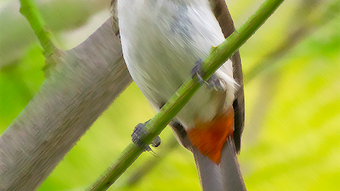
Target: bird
x=163, y=43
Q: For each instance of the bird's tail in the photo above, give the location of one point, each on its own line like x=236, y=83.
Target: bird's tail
x=222, y=177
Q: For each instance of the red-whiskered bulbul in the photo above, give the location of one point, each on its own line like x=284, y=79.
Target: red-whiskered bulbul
x=161, y=41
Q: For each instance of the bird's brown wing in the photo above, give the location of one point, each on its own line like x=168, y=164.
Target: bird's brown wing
x=221, y=12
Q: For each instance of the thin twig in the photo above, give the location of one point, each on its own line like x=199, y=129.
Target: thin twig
x=29, y=9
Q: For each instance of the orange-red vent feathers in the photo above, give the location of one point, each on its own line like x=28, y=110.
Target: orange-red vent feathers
x=209, y=138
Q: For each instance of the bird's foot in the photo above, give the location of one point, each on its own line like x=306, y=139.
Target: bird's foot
x=212, y=83
x=197, y=71
x=139, y=131
x=215, y=83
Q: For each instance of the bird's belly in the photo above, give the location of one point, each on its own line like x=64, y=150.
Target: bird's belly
x=160, y=58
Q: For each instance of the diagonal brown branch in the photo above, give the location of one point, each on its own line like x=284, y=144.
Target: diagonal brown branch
x=85, y=83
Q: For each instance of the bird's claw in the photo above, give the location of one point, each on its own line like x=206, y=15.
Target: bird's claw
x=138, y=132
x=213, y=82
x=197, y=71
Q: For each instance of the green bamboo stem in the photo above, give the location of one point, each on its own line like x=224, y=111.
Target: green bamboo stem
x=216, y=58
x=171, y=144
x=283, y=49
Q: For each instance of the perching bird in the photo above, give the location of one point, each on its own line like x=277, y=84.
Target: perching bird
x=162, y=40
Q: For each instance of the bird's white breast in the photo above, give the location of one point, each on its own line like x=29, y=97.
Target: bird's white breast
x=162, y=40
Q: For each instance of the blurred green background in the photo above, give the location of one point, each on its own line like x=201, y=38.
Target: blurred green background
x=291, y=68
